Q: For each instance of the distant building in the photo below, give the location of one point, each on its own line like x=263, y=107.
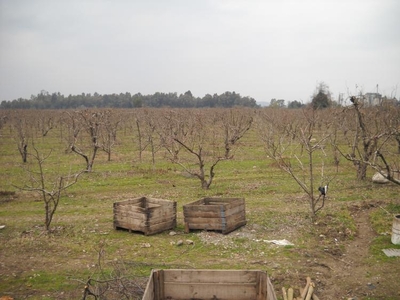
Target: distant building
x=372, y=99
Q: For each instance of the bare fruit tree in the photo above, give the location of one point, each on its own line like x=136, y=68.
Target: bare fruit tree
x=46, y=121
x=50, y=190
x=171, y=127
x=84, y=134
x=147, y=129
x=204, y=148
x=235, y=122
x=109, y=133
x=371, y=138
x=291, y=139
x=22, y=128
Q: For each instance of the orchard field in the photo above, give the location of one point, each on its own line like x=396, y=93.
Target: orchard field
x=79, y=163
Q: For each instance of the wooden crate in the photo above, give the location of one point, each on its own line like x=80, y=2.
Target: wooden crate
x=209, y=284
x=147, y=215
x=220, y=214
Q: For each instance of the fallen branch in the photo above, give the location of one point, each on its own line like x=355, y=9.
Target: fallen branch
x=306, y=293
x=310, y=291
x=290, y=294
x=305, y=290
x=285, y=297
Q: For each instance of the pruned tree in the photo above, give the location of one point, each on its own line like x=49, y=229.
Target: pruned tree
x=371, y=139
x=89, y=123
x=171, y=127
x=203, y=146
x=45, y=122
x=235, y=122
x=22, y=132
x=150, y=133
x=145, y=126
x=292, y=141
x=50, y=190
x=136, y=126
x=109, y=133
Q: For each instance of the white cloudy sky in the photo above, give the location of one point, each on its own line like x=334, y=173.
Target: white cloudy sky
x=259, y=48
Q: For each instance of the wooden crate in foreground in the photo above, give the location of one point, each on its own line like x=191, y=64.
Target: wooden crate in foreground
x=147, y=215
x=209, y=284
x=219, y=214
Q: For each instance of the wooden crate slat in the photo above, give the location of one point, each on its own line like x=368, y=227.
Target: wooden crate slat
x=205, y=275
x=207, y=291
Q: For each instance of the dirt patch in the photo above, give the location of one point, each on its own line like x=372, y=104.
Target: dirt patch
x=348, y=270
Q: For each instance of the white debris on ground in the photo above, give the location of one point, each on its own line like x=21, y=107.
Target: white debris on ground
x=391, y=252
x=280, y=242
x=217, y=238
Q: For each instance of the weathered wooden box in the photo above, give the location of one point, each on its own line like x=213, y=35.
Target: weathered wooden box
x=209, y=284
x=219, y=214
x=147, y=215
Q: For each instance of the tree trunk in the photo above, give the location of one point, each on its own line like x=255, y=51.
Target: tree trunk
x=362, y=171
x=25, y=153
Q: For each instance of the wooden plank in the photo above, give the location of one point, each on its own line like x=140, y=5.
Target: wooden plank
x=145, y=227
x=202, y=214
x=233, y=227
x=141, y=219
x=194, y=203
x=161, y=219
x=136, y=208
x=160, y=213
x=156, y=228
x=239, y=209
x=129, y=226
x=222, y=200
x=136, y=201
x=203, y=227
x=213, y=221
x=150, y=288
x=131, y=222
x=232, y=219
x=223, y=291
x=144, y=202
x=131, y=215
x=203, y=208
x=270, y=291
x=161, y=202
x=207, y=275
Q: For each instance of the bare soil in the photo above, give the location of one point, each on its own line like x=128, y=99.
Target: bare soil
x=355, y=274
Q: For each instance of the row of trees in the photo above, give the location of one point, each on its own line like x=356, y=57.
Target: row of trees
x=304, y=143
x=45, y=100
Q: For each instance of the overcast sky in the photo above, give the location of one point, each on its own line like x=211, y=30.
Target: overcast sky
x=263, y=49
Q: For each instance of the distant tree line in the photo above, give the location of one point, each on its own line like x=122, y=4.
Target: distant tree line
x=45, y=100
